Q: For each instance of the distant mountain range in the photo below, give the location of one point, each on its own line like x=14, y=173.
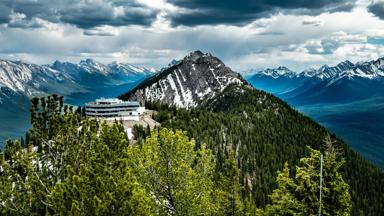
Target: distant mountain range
x=370, y=70
x=344, y=82
x=346, y=98
x=87, y=80
x=64, y=77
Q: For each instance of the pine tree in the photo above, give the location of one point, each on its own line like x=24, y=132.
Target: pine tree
x=300, y=195
x=284, y=201
x=229, y=187
x=174, y=173
x=337, y=200
x=71, y=166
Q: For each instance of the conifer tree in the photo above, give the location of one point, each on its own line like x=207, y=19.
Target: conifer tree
x=70, y=166
x=229, y=187
x=300, y=195
x=174, y=173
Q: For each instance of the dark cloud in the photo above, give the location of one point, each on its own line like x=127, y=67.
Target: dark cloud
x=82, y=13
x=241, y=12
x=43, y=9
x=377, y=9
x=89, y=16
x=4, y=14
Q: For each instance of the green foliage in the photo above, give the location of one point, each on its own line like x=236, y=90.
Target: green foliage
x=267, y=133
x=140, y=132
x=72, y=166
x=228, y=183
x=178, y=176
x=283, y=197
x=300, y=195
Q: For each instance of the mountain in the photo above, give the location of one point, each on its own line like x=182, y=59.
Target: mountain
x=276, y=80
x=31, y=79
x=344, y=82
x=370, y=70
x=89, y=72
x=64, y=77
x=264, y=131
x=19, y=81
x=82, y=82
x=187, y=82
x=346, y=98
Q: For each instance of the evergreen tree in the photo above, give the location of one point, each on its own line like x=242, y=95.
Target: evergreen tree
x=283, y=198
x=174, y=173
x=71, y=166
x=229, y=187
x=266, y=133
x=300, y=195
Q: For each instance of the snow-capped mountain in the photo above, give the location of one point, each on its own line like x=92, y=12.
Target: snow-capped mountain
x=369, y=70
x=65, y=78
x=274, y=72
x=95, y=73
x=344, y=82
x=79, y=83
x=32, y=80
x=185, y=83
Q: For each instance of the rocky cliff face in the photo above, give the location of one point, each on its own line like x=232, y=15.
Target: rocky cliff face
x=195, y=78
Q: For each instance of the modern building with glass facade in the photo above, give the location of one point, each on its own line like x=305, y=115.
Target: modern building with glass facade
x=113, y=108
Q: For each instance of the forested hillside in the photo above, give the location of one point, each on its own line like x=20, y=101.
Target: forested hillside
x=69, y=165
x=265, y=133
x=233, y=165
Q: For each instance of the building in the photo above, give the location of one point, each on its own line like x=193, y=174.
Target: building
x=113, y=108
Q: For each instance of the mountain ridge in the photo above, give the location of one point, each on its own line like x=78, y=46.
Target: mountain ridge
x=368, y=69
x=207, y=75
x=79, y=83
x=63, y=77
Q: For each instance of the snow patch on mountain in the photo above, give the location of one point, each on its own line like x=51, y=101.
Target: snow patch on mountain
x=196, y=77
x=346, y=69
x=65, y=78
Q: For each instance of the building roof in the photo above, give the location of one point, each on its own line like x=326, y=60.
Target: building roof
x=112, y=102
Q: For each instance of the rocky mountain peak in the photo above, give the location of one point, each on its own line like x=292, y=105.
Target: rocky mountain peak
x=193, y=56
x=197, y=77
x=346, y=65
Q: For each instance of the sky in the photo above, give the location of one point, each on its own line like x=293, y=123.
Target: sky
x=245, y=34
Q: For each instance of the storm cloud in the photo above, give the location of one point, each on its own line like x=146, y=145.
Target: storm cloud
x=81, y=13
x=244, y=33
x=88, y=14
x=377, y=9
x=201, y=12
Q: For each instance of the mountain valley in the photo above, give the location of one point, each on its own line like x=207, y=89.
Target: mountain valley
x=347, y=99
